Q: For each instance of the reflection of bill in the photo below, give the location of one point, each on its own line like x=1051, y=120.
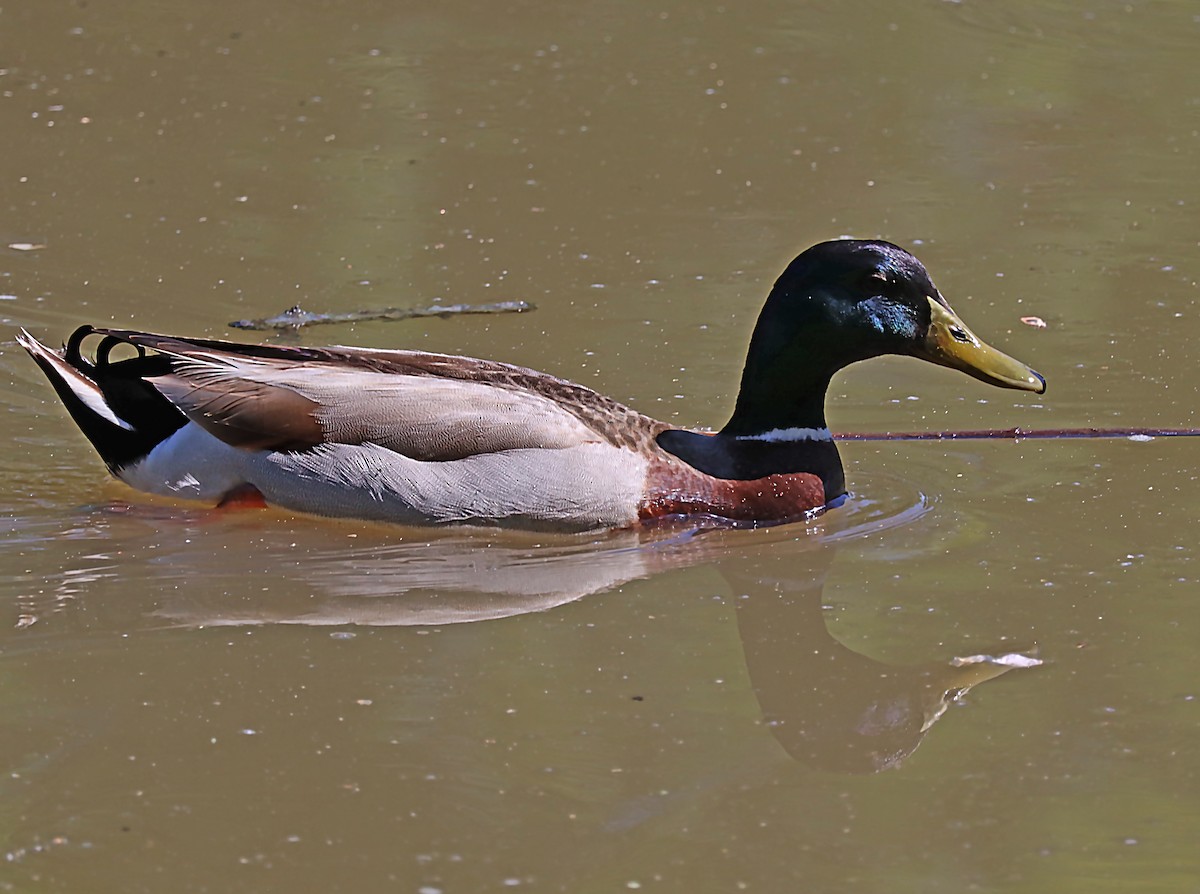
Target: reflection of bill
x=827, y=705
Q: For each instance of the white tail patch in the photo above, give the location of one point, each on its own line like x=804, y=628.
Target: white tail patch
x=87, y=392
x=784, y=435
x=81, y=386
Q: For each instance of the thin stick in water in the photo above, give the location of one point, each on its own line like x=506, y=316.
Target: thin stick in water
x=296, y=317
x=1020, y=434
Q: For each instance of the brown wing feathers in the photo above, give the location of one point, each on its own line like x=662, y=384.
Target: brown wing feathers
x=203, y=383
x=426, y=406
x=244, y=413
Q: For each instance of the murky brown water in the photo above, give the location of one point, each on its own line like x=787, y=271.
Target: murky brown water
x=249, y=701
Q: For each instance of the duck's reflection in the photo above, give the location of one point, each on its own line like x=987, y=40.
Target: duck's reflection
x=826, y=704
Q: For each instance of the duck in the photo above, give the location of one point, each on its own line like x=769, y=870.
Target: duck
x=421, y=438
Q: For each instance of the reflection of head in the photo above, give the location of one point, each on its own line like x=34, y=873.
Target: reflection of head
x=850, y=738
x=882, y=711
x=834, y=708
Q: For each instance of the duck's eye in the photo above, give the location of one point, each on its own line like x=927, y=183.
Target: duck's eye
x=959, y=334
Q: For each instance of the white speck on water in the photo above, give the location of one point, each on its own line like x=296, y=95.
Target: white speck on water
x=1013, y=659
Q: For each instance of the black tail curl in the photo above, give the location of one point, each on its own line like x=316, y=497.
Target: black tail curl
x=144, y=417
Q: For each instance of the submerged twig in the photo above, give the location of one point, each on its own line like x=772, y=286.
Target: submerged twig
x=296, y=317
x=1021, y=434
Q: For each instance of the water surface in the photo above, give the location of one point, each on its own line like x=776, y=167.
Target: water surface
x=255, y=701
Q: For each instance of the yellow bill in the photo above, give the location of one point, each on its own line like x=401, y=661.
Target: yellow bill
x=950, y=343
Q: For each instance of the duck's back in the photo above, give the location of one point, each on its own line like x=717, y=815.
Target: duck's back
x=404, y=436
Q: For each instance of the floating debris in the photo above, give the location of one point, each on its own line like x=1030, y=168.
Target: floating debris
x=1012, y=659
x=296, y=317
x=1035, y=322
x=26, y=246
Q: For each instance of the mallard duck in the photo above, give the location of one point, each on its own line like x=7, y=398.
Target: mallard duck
x=418, y=438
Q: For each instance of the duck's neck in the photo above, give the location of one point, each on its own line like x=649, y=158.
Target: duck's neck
x=767, y=436
x=778, y=425
x=794, y=352
x=766, y=409
x=783, y=451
